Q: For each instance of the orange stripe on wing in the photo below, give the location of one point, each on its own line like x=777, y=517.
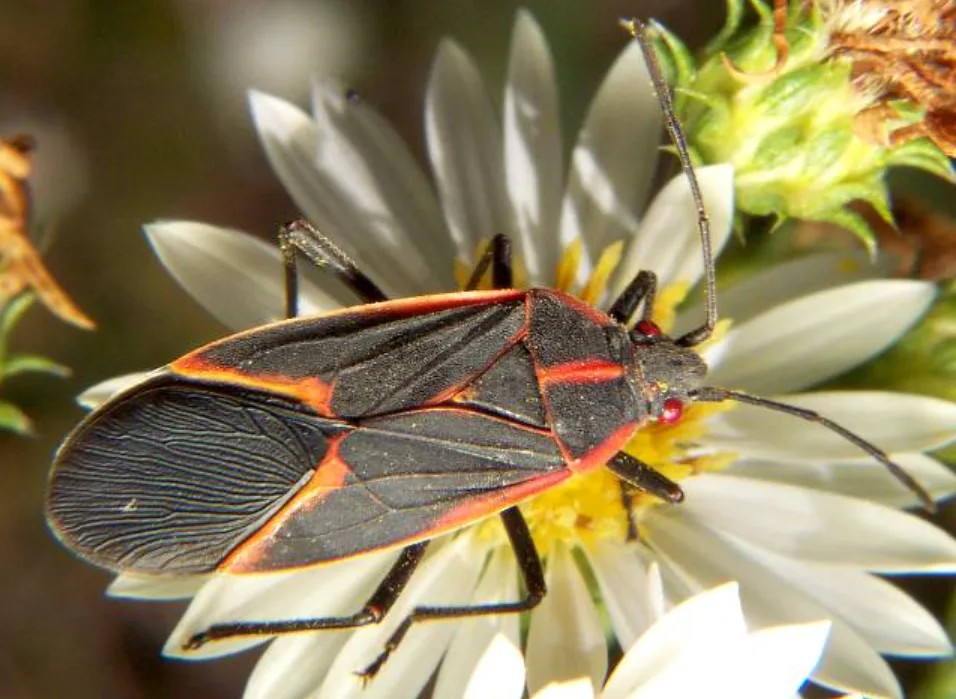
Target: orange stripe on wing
x=329, y=476
x=310, y=391
x=491, y=503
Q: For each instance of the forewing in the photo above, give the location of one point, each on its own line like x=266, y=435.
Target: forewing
x=403, y=478
x=371, y=360
x=175, y=474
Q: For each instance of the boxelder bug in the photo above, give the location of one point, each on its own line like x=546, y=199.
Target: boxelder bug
x=315, y=439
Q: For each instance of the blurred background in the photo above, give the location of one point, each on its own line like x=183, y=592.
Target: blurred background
x=140, y=113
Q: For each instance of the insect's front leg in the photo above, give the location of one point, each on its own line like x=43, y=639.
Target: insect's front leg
x=627, y=502
x=642, y=288
x=498, y=256
x=643, y=477
x=302, y=236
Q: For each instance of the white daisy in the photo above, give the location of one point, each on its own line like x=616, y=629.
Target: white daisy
x=702, y=648
x=795, y=514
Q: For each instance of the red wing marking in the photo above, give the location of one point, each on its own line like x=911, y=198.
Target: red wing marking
x=329, y=476
x=491, y=503
x=602, y=454
x=309, y=391
x=410, y=306
x=583, y=371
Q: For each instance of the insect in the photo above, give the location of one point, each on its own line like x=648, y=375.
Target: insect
x=319, y=438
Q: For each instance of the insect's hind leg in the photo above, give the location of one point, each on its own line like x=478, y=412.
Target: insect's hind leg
x=529, y=563
x=302, y=236
x=498, y=256
x=372, y=612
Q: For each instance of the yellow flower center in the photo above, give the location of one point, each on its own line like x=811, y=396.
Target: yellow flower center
x=590, y=507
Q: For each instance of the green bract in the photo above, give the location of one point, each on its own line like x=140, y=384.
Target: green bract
x=788, y=130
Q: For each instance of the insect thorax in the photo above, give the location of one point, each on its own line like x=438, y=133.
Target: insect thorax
x=667, y=373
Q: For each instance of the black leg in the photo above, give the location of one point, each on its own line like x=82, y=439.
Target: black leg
x=642, y=288
x=498, y=255
x=644, y=478
x=302, y=236
x=372, y=612
x=529, y=563
x=627, y=502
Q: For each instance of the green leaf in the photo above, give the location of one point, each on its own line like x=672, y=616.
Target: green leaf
x=922, y=154
x=792, y=92
x=759, y=199
x=684, y=70
x=908, y=111
x=836, y=196
x=824, y=150
x=709, y=131
x=778, y=148
x=13, y=419
x=735, y=11
x=854, y=223
x=30, y=363
x=11, y=314
x=763, y=11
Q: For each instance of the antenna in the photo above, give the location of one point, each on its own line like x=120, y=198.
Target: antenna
x=637, y=29
x=718, y=395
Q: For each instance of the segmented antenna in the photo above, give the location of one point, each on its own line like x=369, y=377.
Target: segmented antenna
x=637, y=29
x=717, y=395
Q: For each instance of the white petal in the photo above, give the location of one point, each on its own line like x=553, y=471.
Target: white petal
x=484, y=658
x=580, y=688
x=446, y=578
x=98, y=394
x=373, y=171
x=346, y=210
x=237, y=278
x=849, y=663
x=889, y=619
x=532, y=132
x=620, y=574
x=614, y=159
x=336, y=589
x=816, y=337
x=790, y=280
x=866, y=480
x=294, y=666
x=775, y=662
x=810, y=525
x=694, y=628
x=770, y=664
x=466, y=151
x=156, y=587
x=668, y=241
x=896, y=422
x=565, y=637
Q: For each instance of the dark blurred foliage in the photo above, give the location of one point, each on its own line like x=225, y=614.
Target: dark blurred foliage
x=144, y=109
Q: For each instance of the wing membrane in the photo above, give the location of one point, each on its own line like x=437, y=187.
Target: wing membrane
x=174, y=475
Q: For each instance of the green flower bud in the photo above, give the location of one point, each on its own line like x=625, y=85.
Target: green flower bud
x=790, y=122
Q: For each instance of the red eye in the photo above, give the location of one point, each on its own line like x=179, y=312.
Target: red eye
x=672, y=412
x=647, y=328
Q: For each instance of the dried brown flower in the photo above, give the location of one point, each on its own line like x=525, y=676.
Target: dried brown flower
x=900, y=50
x=20, y=265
